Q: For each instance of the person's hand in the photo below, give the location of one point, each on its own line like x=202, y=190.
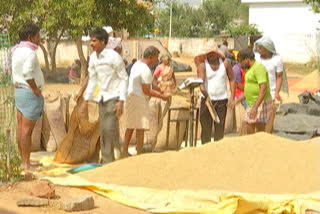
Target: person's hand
x=83, y=108
x=165, y=97
x=231, y=103
x=278, y=97
x=119, y=109
x=253, y=113
x=37, y=92
x=77, y=97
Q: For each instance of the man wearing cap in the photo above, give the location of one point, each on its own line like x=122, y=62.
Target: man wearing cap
x=214, y=70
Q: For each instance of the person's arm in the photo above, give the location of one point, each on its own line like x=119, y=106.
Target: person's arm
x=153, y=93
x=262, y=93
x=92, y=81
x=82, y=89
x=279, y=76
x=201, y=71
x=239, y=99
x=123, y=86
x=34, y=87
x=154, y=82
x=27, y=72
x=231, y=82
x=278, y=86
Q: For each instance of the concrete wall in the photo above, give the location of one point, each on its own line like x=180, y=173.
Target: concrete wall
x=66, y=52
x=291, y=25
x=192, y=46
x=133, y=48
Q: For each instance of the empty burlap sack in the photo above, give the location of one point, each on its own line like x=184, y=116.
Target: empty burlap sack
x=175, y=140
x=239, y=114
x=65, y=99
x=53, y=126
x=36, y=136
x=93, y=111
x=149, y=136
x=80, y=144
x=230, y=121
x=156, y=106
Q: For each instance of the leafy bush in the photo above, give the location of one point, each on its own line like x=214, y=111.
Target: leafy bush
x=15, y=174
x=243, y=29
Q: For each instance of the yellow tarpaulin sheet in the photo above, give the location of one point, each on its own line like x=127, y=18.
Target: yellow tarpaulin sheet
x=191, y=201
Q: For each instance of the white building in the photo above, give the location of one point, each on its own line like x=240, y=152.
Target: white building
x=291, y=24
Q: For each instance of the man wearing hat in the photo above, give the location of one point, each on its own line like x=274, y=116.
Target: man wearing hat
x=214, y=69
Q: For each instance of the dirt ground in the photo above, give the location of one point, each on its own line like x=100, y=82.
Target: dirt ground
x=10, y=193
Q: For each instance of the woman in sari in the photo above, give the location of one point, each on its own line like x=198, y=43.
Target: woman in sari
x=164, y=76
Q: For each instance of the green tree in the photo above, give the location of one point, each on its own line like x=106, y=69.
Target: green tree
x=242, y=29
x=217, y=15
x=212, y=17
x=73, y=18
x=315, y=4
x=183, y=20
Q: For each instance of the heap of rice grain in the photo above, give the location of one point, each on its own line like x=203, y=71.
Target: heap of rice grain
x=259, y=163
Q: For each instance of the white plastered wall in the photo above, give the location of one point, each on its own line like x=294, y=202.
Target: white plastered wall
x=291, y=25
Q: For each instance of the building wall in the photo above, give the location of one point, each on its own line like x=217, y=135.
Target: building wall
x=133, y=48
x=291, y=25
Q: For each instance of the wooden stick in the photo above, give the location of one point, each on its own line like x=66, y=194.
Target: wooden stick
x=8, y=134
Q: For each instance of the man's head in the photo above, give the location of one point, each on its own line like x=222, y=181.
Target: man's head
x=263, y=51
x=150, y=55
x=98, y=39
x=225, y=43
x=213, y=58
x=30, y=32
x=246, y=58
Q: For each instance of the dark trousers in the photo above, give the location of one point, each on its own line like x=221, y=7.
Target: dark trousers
x=109, y=133
x=206, y=120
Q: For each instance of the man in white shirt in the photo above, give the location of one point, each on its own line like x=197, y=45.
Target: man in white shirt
x=107, y=71
x=137, y=105
x=268, y=56
x=28, y=80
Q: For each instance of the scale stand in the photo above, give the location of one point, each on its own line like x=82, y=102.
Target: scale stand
x=191, y=84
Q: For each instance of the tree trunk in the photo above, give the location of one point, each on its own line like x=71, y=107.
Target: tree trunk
x=54, y=51
x=84, y=65
x=46, y=60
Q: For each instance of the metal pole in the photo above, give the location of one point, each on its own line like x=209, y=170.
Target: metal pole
x=8, y=152
x=170, y=27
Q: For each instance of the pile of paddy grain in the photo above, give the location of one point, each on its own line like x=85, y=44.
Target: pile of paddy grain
x=309, y=82
x=259, y=163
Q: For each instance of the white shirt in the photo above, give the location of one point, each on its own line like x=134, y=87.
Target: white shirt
x=273, y=65
x=108, y=72
x=216, y=82
x=25, y=66
x=140, y=74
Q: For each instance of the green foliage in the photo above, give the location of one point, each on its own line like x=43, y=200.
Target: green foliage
x=242, y=29
x=75, y=18
x=212, y=17
x=15, y=174
x=315, y=4
x=185, y=20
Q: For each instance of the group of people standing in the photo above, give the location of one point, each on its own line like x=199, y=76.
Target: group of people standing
x=259, y=83
x=255, y=83
x=107, y=72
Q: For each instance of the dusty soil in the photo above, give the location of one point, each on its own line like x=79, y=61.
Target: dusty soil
x=10, y=193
